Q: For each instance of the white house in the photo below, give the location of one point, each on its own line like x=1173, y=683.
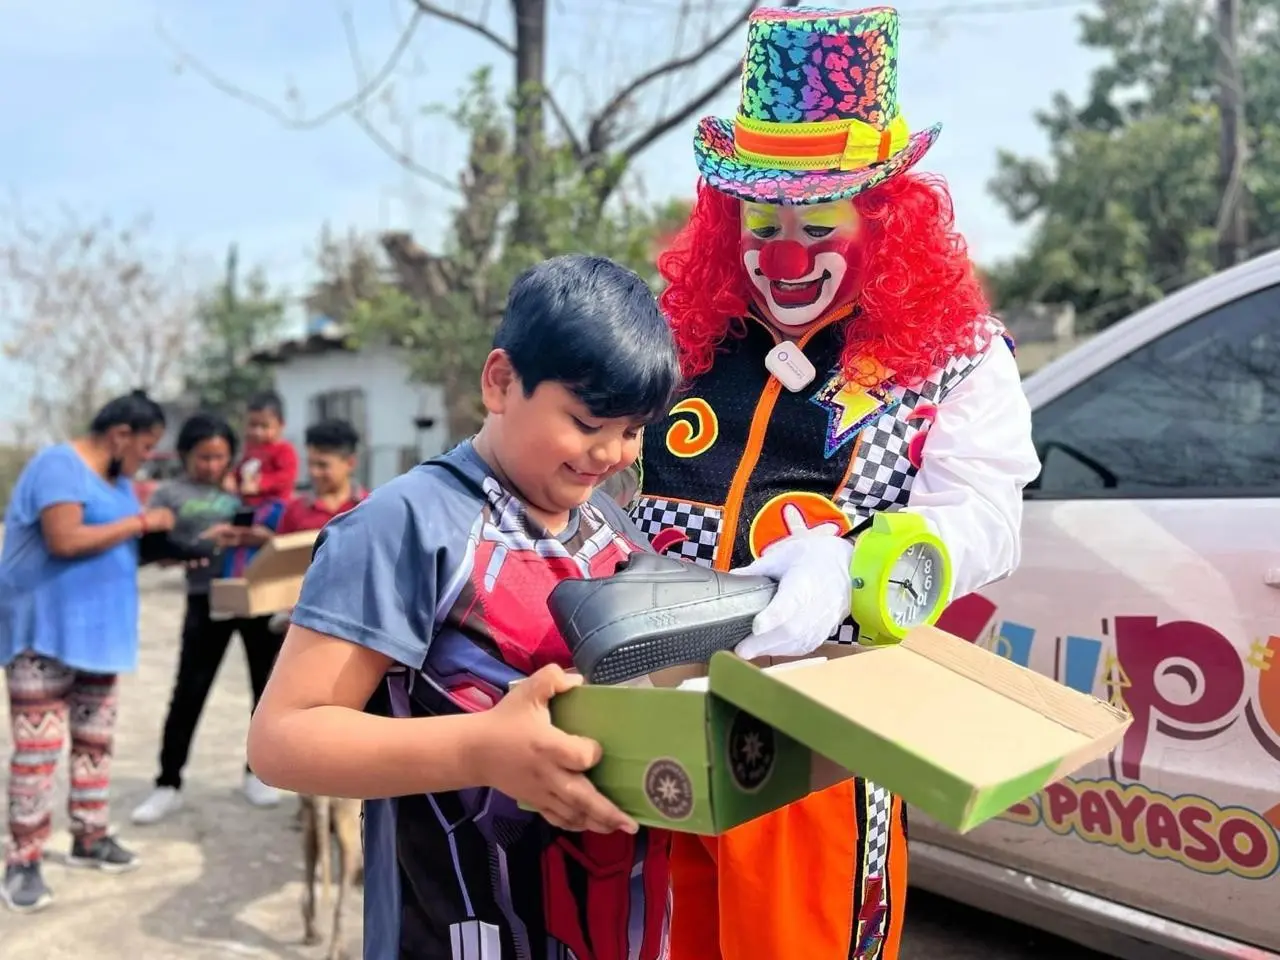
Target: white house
x=401, y=422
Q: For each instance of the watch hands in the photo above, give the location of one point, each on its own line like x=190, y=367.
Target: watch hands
x=916, y=568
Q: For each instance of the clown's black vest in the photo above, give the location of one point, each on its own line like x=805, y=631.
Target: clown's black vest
x=740, y=458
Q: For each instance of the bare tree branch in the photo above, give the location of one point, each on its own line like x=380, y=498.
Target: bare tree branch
x=362, y=93
x=92, y=313
x=355, y=108
x=597, y=133
x=509, y=48
x=352, y=106
x=431, y=9
x=660, y=128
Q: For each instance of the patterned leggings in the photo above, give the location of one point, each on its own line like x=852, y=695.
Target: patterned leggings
x=45, y=698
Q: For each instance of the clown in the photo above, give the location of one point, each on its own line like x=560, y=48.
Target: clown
x=840, y=361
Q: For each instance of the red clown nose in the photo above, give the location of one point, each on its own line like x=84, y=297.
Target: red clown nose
x=784, y=260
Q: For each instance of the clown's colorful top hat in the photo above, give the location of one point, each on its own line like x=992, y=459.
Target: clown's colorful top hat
x=818, y=118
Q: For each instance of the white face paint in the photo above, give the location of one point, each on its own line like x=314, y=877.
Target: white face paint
x=801, y=301
x=799, y=258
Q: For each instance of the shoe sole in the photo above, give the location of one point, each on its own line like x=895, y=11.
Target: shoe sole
x=36, y=907
x=616, y=633
x=88, y=863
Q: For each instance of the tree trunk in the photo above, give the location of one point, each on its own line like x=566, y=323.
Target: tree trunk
x=531, y=45
x=1233, y=236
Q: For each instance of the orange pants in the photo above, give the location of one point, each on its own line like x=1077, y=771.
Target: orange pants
x=794, y=885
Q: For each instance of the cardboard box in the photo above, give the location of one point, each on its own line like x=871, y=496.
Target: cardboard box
x=953, y=729
x=272, y=579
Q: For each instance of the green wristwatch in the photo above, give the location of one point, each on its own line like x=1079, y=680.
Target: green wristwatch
x=901, y=577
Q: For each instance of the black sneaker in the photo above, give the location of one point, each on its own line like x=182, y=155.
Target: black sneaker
x=103, y=854
x=654, y=613
x=24, y=890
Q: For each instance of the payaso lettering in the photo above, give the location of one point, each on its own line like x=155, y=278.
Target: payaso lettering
x=1190, y=830
x=1179, y=679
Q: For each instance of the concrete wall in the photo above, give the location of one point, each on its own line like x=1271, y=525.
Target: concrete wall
x=392, y=403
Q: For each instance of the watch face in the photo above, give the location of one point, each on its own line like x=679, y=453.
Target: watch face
x=915, y=586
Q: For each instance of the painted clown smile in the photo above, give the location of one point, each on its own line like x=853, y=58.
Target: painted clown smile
x=789, y=294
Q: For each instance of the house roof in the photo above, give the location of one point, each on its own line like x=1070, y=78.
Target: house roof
x=321, y=338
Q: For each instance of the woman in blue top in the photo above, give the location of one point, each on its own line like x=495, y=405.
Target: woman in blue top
x=68, y=626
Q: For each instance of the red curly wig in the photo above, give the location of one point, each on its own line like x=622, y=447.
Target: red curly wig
x=920, y=296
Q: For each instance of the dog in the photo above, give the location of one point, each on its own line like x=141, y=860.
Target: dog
x=325, y=819
x=322, y=821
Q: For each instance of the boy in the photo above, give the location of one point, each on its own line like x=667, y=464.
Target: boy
x=269, y=469
x=331, y=458
x=428, y=600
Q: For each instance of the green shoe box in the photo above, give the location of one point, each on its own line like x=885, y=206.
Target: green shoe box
x=953, y=729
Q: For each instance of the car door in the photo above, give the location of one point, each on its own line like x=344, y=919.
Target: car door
x=1149, y=574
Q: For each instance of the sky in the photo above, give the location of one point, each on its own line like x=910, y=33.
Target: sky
x=97, y=113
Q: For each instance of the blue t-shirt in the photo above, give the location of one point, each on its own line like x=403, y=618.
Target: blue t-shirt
x=448, y=576
x=81, y=611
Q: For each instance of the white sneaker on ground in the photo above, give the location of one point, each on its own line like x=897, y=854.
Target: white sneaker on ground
x=258, y=793
x=162, y=802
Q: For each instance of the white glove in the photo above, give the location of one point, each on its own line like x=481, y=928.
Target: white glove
x=812, y=600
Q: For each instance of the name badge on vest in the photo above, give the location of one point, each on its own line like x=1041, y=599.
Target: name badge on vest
x=788, y=363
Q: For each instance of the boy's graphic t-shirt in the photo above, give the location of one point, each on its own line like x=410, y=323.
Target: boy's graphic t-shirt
x=196, y=507
x=445, y=573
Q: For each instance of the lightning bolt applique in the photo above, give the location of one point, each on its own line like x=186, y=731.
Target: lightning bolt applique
x=850, y=407
x=870, y=935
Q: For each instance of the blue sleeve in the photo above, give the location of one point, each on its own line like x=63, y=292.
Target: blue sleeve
x=57, y=476
x=373, y=579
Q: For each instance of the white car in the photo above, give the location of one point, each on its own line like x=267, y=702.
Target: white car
x=1150, y=575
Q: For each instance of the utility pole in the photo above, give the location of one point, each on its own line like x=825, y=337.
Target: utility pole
x=1233, y=236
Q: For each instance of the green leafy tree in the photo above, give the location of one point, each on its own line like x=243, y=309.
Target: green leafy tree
x=236, y=318
x=1126, y=207
x=444, y=307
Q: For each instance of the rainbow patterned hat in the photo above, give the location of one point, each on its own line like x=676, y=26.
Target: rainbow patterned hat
x=818, y=118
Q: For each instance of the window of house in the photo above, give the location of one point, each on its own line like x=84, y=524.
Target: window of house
x=1193, y=413
x=409, y=458
x=348, y=405
x=340, y=405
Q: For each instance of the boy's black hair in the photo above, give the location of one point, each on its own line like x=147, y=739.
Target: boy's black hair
x=134, y=410
x=594, y=326
x=266, y=401
x=333, y=436
x=199, y=427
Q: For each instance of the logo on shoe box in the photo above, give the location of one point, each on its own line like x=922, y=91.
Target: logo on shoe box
x=752, y=751
x=669, y=788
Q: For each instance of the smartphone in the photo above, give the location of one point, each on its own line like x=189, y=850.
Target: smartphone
x=243, y=518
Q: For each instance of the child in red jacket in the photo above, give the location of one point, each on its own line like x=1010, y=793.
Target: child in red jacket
x=269, y=468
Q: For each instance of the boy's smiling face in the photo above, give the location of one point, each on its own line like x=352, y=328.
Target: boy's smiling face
x=547, y=445
x=329, y=470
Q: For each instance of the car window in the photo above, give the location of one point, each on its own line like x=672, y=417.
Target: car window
x=1195, y=412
